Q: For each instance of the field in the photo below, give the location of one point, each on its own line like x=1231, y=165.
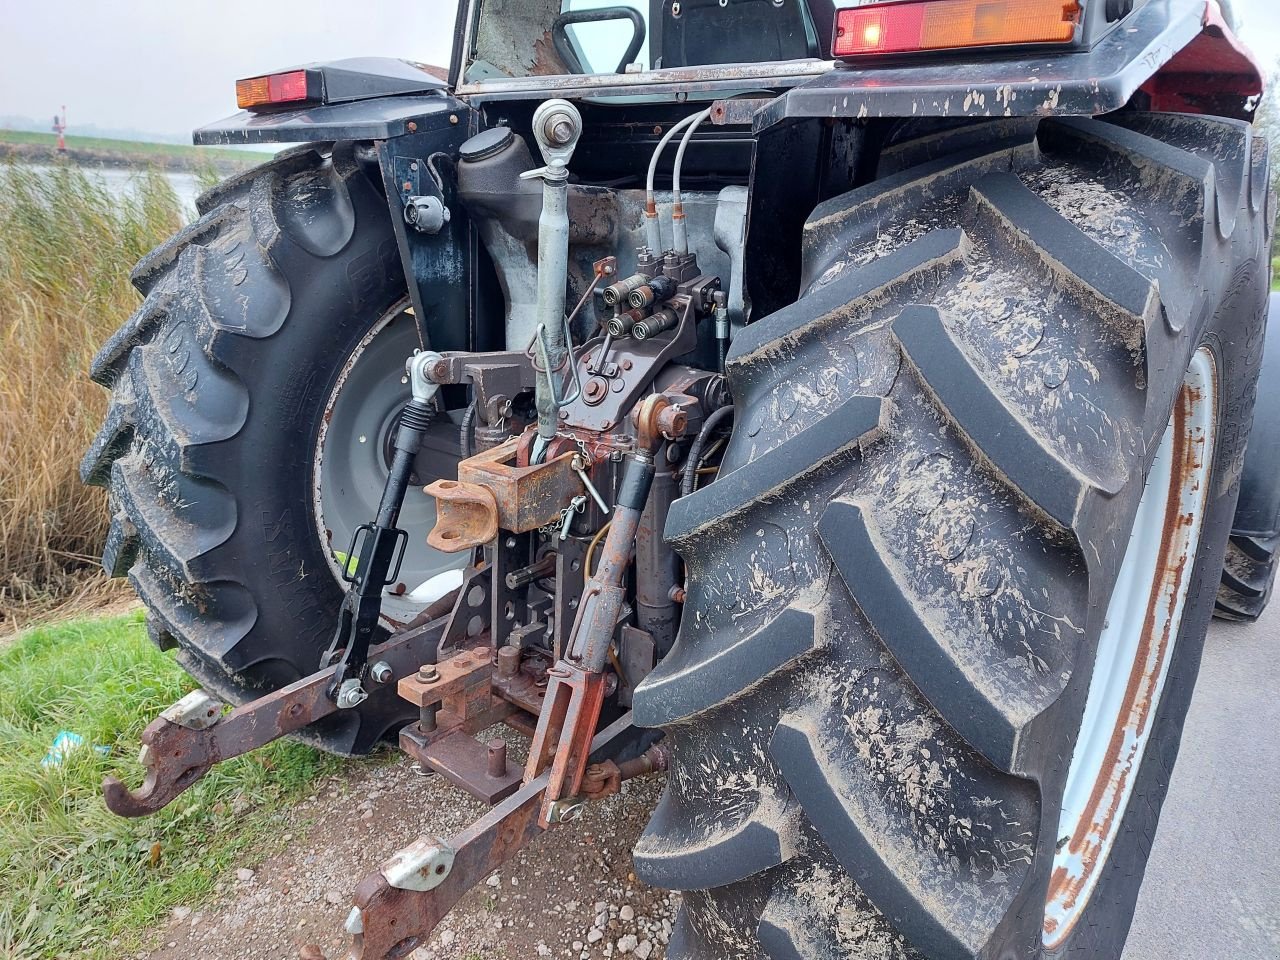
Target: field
x=173, y=155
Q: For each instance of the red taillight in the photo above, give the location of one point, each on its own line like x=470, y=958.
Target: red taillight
x=289, y=87
x=945, y=24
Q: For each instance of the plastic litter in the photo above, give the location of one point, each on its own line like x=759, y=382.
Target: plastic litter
x=63, y=745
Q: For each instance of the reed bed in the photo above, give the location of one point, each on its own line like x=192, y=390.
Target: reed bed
x=67, y=244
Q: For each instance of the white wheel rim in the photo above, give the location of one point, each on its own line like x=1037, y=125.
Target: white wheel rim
x=1135, y=649
x=350, y=467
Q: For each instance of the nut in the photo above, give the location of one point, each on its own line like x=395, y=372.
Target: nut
x=595, y=390
x=672, y=422
x=381, y=672
x=351, y=694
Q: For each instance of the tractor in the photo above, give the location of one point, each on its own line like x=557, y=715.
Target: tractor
x=841, y=408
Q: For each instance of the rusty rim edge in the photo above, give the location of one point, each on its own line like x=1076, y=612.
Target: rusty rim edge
x=1135, y=648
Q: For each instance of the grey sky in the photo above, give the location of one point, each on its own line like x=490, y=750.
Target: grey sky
x=167, y=66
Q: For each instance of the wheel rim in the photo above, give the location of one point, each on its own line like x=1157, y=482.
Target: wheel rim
x=1135, y=649
x=361, y=414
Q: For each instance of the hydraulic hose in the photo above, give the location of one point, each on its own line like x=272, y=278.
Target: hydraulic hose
x=693, y=461
x=465, y=446
x=653, y=232
x=679, y=233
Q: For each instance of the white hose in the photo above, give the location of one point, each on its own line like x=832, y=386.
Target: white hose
x=652, y=229
x=680, y=236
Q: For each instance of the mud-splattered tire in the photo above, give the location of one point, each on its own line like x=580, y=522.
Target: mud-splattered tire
x=899, y=579
x=1248, y=576
x=219, y=382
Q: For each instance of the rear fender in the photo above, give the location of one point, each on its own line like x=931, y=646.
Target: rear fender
x=416, y=127
x=364, y=98
x=1167, y=55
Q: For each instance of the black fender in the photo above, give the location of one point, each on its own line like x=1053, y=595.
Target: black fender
x=410, y=117
x=364, y=98
x=1258, y=510
x=1172, y=55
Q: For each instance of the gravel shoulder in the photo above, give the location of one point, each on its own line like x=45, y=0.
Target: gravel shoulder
x=569, y=894
x=1209, y=889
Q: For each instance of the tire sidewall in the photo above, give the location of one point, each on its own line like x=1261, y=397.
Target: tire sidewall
x=1103, y=926
x=298, y=377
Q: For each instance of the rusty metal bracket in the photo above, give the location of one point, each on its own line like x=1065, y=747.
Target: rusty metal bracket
x=561, y=742
x=526, y=498
x=391, y=919
x=738, y=112
x=181, y=745
x=466, y=516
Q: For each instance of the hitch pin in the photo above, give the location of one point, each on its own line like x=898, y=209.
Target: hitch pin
x=575, y=506
x=578, y=467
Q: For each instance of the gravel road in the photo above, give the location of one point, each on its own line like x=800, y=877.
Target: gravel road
x=1210, y=889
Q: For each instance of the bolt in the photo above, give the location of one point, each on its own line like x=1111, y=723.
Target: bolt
x=595, y=390
x=427, y=673
x=626, y=364
x=562, y=132
x=453, y=118
x=427, y=718
x=413, y=127
x=497, y=764
x=508, y=661
x=381, y=672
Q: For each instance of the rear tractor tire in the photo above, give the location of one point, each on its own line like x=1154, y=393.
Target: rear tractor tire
x=223, y=384
x=1009, y=408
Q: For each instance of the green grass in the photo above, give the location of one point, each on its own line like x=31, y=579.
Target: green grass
x=135, y=148
x=75, y=877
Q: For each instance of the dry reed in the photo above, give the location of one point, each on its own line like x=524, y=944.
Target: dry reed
x=67, y=244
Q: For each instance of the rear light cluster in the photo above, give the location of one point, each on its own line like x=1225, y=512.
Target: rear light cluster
x=292, y=86
x=950, y=24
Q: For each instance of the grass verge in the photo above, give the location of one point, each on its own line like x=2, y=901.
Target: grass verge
x=77, y=880
x=138, y=151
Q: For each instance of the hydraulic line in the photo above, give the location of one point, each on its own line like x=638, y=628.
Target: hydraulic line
x=679, y=233
x=465, y=445
x=692, y=462
x=653, y=231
